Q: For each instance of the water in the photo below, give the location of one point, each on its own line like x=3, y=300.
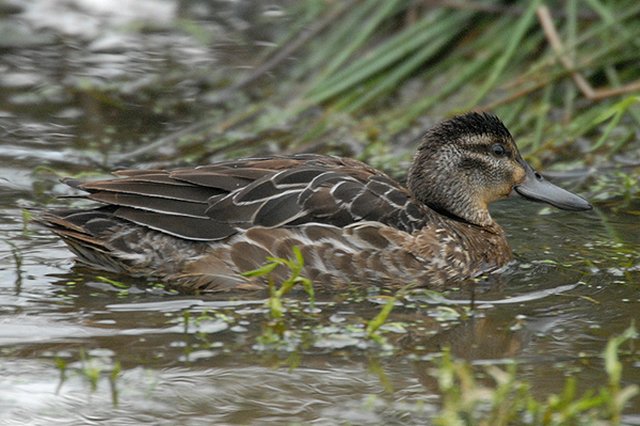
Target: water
x=182, y=359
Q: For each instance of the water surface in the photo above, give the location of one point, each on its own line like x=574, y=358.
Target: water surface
x=78, y=90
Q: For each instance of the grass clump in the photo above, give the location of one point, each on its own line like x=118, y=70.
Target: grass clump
x=509, y=400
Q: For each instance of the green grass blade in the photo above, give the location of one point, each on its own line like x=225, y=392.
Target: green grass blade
x=514, y=41
x=362, y=35
x=400, y=72
x=386, y=55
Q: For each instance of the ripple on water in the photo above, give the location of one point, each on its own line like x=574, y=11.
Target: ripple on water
x=212, y=395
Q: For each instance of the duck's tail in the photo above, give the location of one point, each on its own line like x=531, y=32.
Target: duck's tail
x=83, y=231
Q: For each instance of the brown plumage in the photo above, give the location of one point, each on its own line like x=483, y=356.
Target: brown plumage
x=200, y=228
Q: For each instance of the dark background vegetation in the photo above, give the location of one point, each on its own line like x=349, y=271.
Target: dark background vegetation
x=365, y=78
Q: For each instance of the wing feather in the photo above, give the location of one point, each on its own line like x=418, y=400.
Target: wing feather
x=216, y=201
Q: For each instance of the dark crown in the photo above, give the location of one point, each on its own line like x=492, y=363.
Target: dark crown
x=472, y=123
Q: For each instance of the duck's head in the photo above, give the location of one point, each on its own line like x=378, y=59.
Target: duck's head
x=465, y=163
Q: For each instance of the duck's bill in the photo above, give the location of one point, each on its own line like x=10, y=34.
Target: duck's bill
x=536, y=188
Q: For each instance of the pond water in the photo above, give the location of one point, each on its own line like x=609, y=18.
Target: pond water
x=77, y=347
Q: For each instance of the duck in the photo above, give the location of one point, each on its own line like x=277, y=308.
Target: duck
x=202, y=228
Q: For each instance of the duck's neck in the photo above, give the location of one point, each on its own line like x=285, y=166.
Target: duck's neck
x=465, y=211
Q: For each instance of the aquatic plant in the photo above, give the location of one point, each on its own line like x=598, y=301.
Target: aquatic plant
x=276, y=325
x=277, y=292
x=91, y=369
x=510, y=400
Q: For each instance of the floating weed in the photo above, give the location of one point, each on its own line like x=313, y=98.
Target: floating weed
x=124, y=288
x=118, y=284
x=202, y=327
x=163, y=288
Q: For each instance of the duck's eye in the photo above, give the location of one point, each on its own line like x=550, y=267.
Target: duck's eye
x=498, y=150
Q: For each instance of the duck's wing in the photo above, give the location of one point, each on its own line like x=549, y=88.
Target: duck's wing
x=213, y=202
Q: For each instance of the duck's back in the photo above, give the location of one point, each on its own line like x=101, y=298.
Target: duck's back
x=215, y=202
